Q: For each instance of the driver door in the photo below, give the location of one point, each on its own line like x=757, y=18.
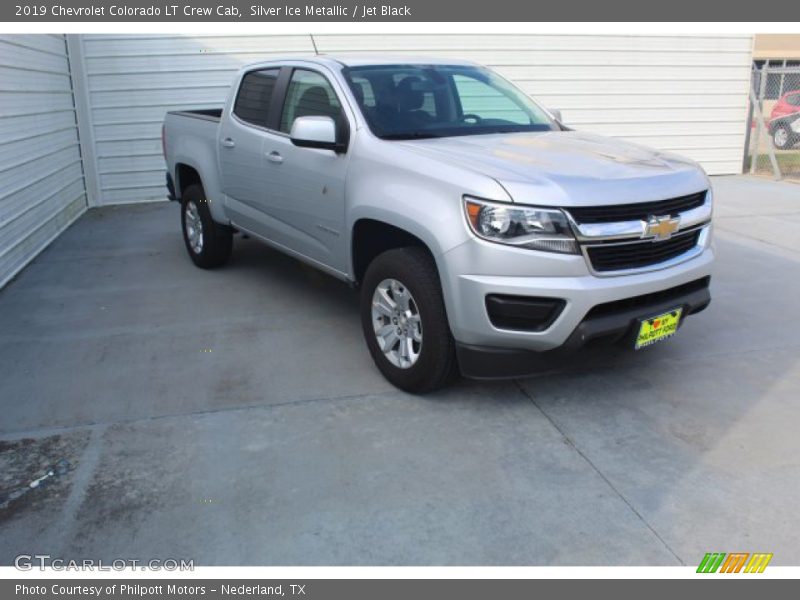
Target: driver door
x=305, y=200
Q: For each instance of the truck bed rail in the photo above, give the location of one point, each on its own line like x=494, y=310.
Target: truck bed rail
x=209, y=114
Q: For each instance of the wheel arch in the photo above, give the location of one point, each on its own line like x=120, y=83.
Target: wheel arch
x=371, y=237
x=199, y=166
x=186, y=175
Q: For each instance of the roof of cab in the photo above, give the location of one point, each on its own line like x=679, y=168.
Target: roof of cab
x=360, y=60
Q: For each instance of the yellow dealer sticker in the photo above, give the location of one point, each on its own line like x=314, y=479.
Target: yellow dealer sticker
x=658, y=328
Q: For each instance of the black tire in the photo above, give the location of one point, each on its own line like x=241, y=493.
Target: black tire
x=436, y=363
x=216, y=239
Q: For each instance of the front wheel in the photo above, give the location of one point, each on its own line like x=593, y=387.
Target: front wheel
x=208, y=243
x=404, y=320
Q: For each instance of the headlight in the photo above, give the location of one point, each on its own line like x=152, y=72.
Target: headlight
x=525, y=226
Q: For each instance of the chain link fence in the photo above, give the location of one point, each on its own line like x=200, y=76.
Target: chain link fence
x=773, y=142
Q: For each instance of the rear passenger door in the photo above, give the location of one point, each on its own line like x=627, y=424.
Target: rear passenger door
x=241, y=139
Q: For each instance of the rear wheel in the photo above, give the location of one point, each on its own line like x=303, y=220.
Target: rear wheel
x=404, y=320
x=209, y=244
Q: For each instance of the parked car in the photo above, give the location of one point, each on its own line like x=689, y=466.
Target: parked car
x=784, y=124
x=480, y=230
x=783, y=114
x=788, y=104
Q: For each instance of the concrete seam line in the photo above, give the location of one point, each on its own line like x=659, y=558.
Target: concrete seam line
x=598, y=471
x=678, y=360
x=44, y=431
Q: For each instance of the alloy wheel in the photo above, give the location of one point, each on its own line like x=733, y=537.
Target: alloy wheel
x=781, y=137
x=396, y=322
x=194, y=227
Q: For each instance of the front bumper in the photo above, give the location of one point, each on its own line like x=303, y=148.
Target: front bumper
x=610, y=322
x=519, y=272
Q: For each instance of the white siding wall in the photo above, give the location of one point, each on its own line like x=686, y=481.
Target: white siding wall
x=41, y=179
x=682, y=93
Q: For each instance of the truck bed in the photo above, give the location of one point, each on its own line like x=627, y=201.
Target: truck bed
x=190, y=138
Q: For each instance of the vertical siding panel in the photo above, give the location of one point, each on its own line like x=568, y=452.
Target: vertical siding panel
x=41, y=178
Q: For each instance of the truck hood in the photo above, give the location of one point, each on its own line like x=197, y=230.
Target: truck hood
x=568, y=168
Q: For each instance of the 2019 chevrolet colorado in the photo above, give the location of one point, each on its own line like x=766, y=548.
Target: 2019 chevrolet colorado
x=479, y=228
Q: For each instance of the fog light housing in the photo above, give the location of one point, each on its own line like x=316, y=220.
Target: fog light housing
x=523, y=313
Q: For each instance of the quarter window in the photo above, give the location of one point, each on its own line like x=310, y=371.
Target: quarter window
x=309, y=94
x=254, y=97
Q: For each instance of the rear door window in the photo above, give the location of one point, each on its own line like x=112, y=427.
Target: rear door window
x=255, y=95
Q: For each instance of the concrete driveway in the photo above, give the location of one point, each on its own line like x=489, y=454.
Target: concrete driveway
x=234, y=417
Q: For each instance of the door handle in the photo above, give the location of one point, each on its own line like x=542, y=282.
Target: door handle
x=275, y=157
x=227, y=142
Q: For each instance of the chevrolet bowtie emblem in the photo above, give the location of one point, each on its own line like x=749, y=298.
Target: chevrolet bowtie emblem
x=660, y=228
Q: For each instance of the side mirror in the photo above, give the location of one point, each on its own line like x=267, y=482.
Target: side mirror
x=555, y=113
x=315, y=132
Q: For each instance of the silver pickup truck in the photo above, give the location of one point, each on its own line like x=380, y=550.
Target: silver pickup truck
x=482, y=232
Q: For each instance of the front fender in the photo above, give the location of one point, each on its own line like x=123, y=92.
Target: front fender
x=421, y=197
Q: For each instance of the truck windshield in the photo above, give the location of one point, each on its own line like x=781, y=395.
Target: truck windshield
x=425, y=101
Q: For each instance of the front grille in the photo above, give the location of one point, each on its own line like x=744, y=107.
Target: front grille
x=638, y=254
x=638, y=211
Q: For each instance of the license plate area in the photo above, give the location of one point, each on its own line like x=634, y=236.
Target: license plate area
x=658, y=328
